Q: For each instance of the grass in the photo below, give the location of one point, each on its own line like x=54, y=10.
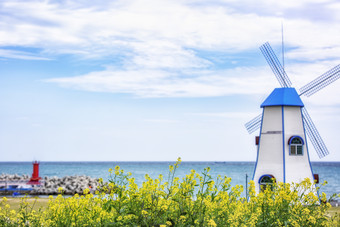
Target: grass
x=34, y=202
x=333, y=210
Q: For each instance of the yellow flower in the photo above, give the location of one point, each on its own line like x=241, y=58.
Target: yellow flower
x=164, y=207
x=218, y=199
x=86, y=191
x=211, y=222
x=182, y=218
x=312, y=219
x=179, y=160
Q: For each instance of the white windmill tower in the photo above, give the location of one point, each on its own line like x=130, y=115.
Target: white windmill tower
x=282, y=151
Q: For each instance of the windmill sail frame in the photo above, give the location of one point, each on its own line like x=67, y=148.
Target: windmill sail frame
x=322, y=81
x=314, y=135
x=275, y=65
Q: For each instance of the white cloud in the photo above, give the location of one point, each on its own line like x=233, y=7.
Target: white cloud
x=5, y=53
x=231, y=115
x=97, y=31
x=162, y=121
x=160, y=41
x=161, y=83
x=317, y=53
x=164, y=54
x=161, y=48
x=202, y=82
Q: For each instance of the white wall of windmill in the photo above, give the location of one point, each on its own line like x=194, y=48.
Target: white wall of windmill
x=297, y=166
x=270, y=156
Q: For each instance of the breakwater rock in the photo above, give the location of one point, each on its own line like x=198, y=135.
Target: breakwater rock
x=14, y=177
x=49, y=185
x=70, y=184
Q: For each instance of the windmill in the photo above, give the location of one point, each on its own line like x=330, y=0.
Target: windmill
x=282, y=151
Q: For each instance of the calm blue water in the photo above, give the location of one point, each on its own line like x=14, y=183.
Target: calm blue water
x=329, y=171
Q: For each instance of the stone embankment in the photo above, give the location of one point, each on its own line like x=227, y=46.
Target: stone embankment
x=50, y=185
x=14, y=177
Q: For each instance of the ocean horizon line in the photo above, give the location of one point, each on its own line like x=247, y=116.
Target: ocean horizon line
x=124, y=161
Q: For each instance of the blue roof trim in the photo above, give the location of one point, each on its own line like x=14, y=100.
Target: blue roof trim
x=283, y=97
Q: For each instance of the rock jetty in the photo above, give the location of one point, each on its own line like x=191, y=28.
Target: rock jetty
x=50, y=185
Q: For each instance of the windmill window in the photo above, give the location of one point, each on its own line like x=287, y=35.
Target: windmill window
x=266, y=181
x=295, y=145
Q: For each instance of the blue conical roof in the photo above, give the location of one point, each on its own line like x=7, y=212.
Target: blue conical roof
x=283, y=97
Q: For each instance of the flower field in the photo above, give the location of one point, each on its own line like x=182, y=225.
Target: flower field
x=195, y=200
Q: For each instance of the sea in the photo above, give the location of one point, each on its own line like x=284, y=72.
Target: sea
x=240, y=172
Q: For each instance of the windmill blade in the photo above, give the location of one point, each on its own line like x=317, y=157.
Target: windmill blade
x=314, y=135
x=321, y=82
x=275, y=65
x=254, y=124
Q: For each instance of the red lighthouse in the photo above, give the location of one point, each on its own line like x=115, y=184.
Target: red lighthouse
x=35, y=175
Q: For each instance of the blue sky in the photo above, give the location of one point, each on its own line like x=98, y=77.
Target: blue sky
x=149, y=80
